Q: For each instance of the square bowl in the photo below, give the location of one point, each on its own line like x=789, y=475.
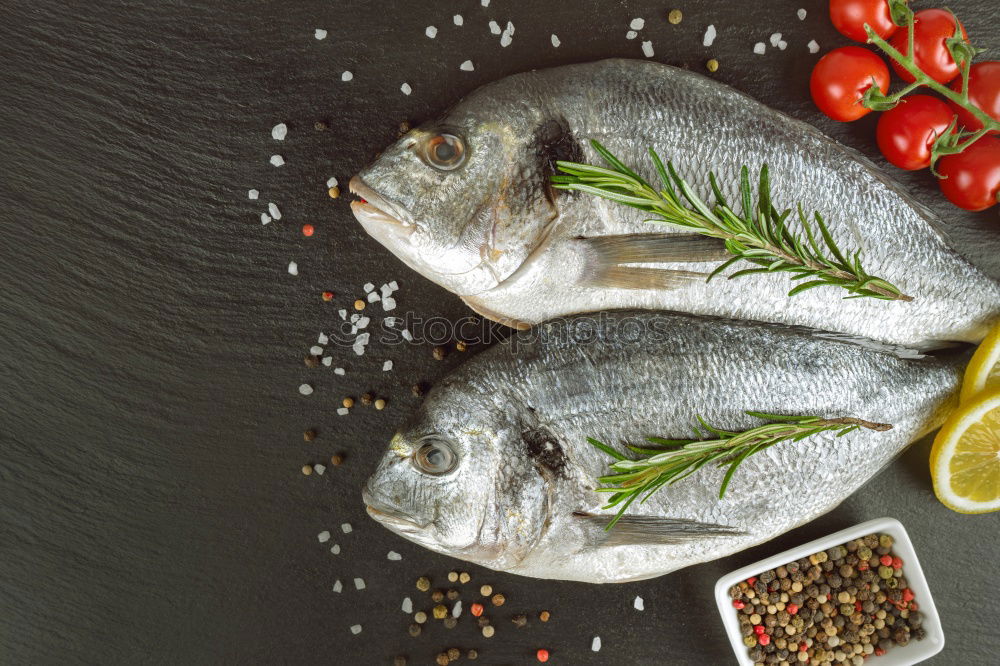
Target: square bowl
x=912, y=653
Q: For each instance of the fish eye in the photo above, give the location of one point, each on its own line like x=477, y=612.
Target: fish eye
x=444, y=152
x=435, y=458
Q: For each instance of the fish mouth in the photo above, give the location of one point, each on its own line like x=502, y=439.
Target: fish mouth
x=378, y=215
x=388, y=516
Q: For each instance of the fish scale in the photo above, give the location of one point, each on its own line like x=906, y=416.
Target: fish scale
x=625, y=375
x=540, y=265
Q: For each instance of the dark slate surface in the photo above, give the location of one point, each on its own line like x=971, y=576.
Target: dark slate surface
x=151, y=504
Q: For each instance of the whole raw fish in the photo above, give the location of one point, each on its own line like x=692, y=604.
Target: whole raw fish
x=495, y=467
x=466, y=201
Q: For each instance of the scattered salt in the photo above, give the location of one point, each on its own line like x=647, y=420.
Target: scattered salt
x=466, y=66
x=320, y=33
x=639, y=604
x=316, y=350
x=407, y=605
x=595, y=645
x=335, y=549
x=332, y=181
x=813, y=46
x=346, y=528
x=252, y=194
x=338, y=586
x=457, y=609
x=782, y=44
x=505, y=39
x=801, y=14
x=272, y=208
x=555, y=41
x=510, y=27
x=407, y=335
x=265, y=218
x=389, y=321
x=305, y=389
x=364, y=321
x=775, y=38
x=368, y=287
x=339, y=371
x=394, y=556
x=293, y=268
x=457, y=18
x=343, y=314
x=709, y=36
x=279, y=132
x=372, y=297
x=323, y=536
x=759, y=48
x=388, y=303
x=319, y=469
x=327, y=361
x=355, y=317
x=343, y=411
x=359, y=583
x=647, y=49
x=631, y=34
x=346, y=76
x=484, y=3
x=393, y=286
x=355, y=629
x=323, y=338
x=406, y=89
x=387, y=366
x=431, y=31
x=637, y=24
x=494, y=27
x=277, y=160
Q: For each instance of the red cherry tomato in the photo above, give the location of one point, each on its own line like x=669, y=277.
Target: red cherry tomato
x=906, y=132
x=842, y=76
x=984, y=93
x=931, y=27
x=849, y=18
x=971, y=179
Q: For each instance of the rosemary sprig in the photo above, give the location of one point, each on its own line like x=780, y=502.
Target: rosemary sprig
x=670, y=460
x=761, y=235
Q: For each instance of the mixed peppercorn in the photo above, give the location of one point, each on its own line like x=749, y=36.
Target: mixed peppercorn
x=837, y=606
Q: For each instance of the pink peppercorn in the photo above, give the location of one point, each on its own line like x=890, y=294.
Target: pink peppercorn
x=897, y=563
x=751, y=580
x=907, y=595
x=763, y=639
x=792, y=609
x=738, y=605
x=758, y=629
x=886, y=560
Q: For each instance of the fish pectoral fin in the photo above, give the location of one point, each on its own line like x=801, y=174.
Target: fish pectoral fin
x=607, y=259
x=648, y=530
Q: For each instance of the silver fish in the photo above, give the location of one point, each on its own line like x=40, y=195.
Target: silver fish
x=466, y=201
x=495, y=467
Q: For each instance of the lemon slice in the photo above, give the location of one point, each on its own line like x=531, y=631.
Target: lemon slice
x=965, y=459
x=983, y=373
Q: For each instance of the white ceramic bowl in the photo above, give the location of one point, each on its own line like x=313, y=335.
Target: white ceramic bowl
x=912, y=653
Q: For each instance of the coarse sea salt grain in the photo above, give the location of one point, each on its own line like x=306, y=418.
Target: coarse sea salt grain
x=407, y=335
x=320, y=33
x=639, y=604
x=431, y=31
x=406, y=89
x=265, y=218
x=494, y=27
x=759, y=48
x=389, y=321
x=252, y=194
x=801, y=14
x=394, y=556
x=279, y=132
x=364, y=321
x=457, y=18
x=335, y=549
x=387, y=366
x=709, y=36
x=277, y=160
x=332, y=181
x=782, y=44
x=485, y=3
x=316, y=350
x=647, y=49
x=293, y=268
x=305, y=389
x=457, y=609
x=338, y=586
x=555, y=41
x=813, y=46
x=319, y=469
x=339, y=371
x=388, y=303
x=346, y=76
x=631, y=34
x=372, y=297
x=355, y=629
x=323, y=338
x=368, y=287
x=272, y=208
x=346, y=528
x=359, y=583
x=327, y=361
x=323, y=536
x=595, y=645
x=407, y=606
x=637, y=24
x=343, y=314
x=505, y=39
x=343, y=411
x=775, y=38
x=393, y=286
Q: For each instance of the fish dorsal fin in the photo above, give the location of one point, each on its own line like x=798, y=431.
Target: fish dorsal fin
x=607, y=259
x=648, y=530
